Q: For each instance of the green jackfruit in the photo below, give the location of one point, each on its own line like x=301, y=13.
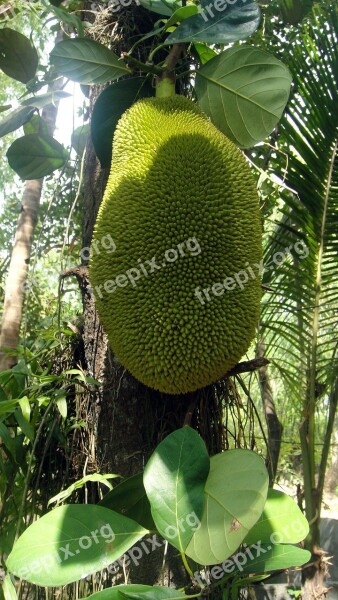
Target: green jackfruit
x=179, y=295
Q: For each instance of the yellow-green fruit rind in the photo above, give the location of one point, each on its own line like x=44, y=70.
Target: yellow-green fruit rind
x=175, y=177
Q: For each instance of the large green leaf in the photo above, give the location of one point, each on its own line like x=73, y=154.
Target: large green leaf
x=235, y=495
x=136, y=590
x=18, y=57
x=86, y=61
x=281, y=521
x=130, y=499
x=15, y=119
x=33, y=156
x=244, y=90
x=272, y=558
x=109, y=107
x=174, y=479
x=239, y=21
x=71, y=542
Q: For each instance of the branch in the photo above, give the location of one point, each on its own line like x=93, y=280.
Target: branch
x=248, y=366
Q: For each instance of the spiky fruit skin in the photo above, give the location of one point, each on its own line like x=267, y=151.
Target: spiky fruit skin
x=174, y=177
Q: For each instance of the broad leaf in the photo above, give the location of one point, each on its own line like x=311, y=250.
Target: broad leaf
x=109, y=107
x=34, y=156
x=244, y=90
x=273, y=558
x=235, y=495
x=136, y=590
x=174, y=479
x=18, y=57
x=15, y=119
x=219, y=23
x=281, y=521
x=71, y=542
x=43, y=100
x=161, y=7
x=86, y=61
x=130, y=499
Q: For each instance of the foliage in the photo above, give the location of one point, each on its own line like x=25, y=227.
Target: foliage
x=298, y=183
x=206, y=514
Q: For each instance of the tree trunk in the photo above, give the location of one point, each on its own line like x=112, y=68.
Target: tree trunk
x=16, y=282
x=275, y=428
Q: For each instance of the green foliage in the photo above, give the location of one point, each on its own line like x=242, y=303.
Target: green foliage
x=47, y=553
x=18, y=57
x=244, y=90
x=135, y=591
x=86, y=61
x=33, y=156
x=174, y=480
x=232, y=505
x=76, y=539
x=239, y=21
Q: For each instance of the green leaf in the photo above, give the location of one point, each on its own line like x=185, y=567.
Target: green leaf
x=18, y=57
x=34, y=156
x=71, y=542
x=8, y=589
x=161, y=7
x=86, y=61
x=25, y=408
x=5, y=107
x=15, y=119
x=214, y=26
x=137, y=590
x=70, y=18
x=61, y=404
x=130, y=498
x=244, y=90
x=79, y=138
x=204, y=52
x=109, y=107
x=235, y=495
x=273, y=558
x=174, y=480
x=96, y=477
x=8, y=406
x=36, y=125
x=281, y=521
x=43, y=100
x=181, y=14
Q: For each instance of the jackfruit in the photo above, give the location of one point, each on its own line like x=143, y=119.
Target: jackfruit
x=179, y=295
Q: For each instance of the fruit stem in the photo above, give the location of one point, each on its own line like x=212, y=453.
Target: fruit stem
x=165, y=83
x=165, y=87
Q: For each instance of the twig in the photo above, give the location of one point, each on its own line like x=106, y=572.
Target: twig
x=247, y=366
